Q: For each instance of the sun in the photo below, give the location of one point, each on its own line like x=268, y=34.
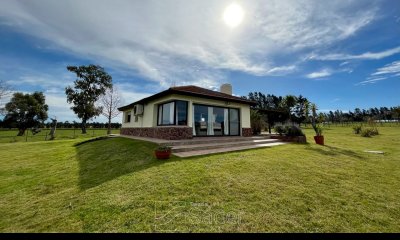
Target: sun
x=233, y=15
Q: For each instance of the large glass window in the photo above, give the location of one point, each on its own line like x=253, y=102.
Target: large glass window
x=215, y=121
x=172, y=113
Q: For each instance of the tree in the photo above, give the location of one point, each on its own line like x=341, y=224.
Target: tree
x=92, y=82
x=4, y=92
x=288, y=104
x=110, y=102
x=301, y=109
x=256, y=121
x=26, y=110
x=396, y=112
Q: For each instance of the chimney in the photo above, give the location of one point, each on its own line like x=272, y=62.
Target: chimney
x=226, y=88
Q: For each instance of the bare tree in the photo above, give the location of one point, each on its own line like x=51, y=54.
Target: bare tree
x=110, y=102
x=5, y=91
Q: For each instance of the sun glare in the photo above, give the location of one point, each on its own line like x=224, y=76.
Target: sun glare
x=233, y=15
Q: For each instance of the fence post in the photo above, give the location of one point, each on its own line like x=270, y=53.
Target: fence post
x=26, y=136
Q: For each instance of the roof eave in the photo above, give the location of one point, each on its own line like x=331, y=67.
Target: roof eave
x=173, y=91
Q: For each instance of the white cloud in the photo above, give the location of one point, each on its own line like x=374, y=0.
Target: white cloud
x=391, y=68
x=388, y=71
x=282, y=70
x=363, y=56
x=319, y=74
x=187, y=41
x=371, y=81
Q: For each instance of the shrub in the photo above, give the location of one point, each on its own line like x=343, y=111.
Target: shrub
x=357, y=129
x=163, y=148
x=293, y=131
x=279, y=129
x=369, y=132
x=318, y=130
x=257, y=122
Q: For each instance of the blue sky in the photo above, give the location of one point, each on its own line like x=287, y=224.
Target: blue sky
x=338, y=54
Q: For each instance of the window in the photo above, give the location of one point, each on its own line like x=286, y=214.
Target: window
x=215, y=121
x=181, y=112
x=127, y=117
x=172, y=113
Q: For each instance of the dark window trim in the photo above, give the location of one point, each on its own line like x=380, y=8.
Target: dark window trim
x=229, y=120
x=128, y=113
x=162, y=109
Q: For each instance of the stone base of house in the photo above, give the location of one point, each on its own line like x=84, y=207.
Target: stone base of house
x=168, y=133
x=247, y=132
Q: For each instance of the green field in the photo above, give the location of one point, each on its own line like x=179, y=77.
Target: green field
x=9, y=136
x=116, y=185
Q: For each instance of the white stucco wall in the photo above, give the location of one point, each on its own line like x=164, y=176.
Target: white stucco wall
x=149, y=117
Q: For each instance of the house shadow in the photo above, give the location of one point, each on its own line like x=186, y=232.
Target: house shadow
x=104, y=159
x=335, y=151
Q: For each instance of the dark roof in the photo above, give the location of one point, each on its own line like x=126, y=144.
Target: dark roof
x=190, y=91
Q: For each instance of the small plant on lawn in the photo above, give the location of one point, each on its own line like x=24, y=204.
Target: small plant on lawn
x=315, y=119
x=357, y=129
x=372, y=130
x=369, y=132
x=318, y=130
x=163, y=148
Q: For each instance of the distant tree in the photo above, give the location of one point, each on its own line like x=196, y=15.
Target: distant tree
x=110, y=102
x=396, y=112
x=92, y=82
x=26, y=110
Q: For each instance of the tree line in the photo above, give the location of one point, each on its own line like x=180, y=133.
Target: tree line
x=270, y=109
x=65, y=124
x=91, y=95
x=362, y=115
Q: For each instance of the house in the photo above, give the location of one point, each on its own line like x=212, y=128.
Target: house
x=185, y=112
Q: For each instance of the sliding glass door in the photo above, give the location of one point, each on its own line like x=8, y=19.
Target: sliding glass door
x=234, y=121
x=215, y=121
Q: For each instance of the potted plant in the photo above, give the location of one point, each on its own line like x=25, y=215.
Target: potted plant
x=319, y=138
x=163, y=152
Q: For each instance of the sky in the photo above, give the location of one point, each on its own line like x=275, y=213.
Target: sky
x=340, y=54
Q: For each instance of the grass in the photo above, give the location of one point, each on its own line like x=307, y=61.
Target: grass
x=10, y=136
x=116, y=185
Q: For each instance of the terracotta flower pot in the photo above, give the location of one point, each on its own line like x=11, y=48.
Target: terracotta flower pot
x=319, y=140
x=162, y=154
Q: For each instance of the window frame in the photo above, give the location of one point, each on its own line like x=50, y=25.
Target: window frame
x=175, y=108
x=128, y=116
x=229, y=118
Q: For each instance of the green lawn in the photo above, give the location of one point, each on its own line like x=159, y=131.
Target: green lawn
x=10, y=136
x=115, y=185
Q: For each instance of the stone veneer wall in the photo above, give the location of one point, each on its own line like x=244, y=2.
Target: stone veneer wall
x=168, y=133
x=247, y=132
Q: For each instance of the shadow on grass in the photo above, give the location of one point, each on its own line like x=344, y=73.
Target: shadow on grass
x=334, y=151
x=104, y=159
